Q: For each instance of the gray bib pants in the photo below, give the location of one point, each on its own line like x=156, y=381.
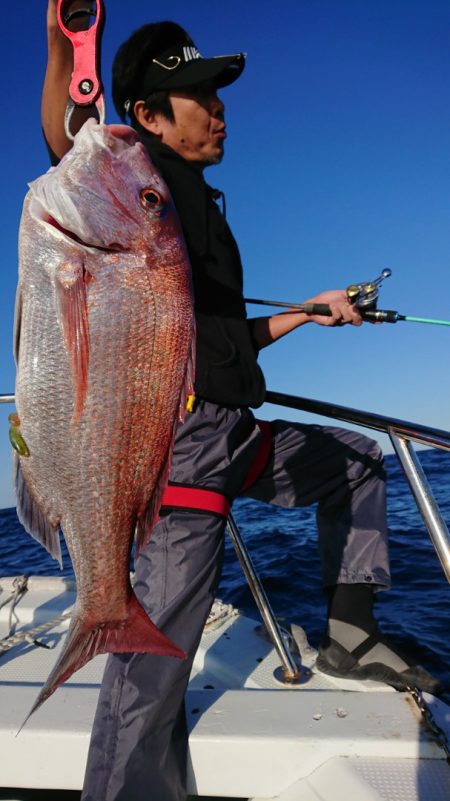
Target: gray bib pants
x=138, y=748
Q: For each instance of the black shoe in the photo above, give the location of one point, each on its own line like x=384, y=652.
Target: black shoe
x=335, y=660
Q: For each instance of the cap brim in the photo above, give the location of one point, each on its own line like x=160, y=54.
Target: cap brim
x=221, y=70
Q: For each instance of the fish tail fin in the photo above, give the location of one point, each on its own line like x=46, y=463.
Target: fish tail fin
x=135, y=634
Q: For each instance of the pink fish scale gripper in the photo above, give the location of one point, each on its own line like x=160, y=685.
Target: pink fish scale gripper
x=85, y=87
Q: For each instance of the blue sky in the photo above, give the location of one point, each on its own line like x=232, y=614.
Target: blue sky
x=337, y=165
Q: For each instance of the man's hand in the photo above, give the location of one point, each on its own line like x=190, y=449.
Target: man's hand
x=58, y=75
x=342, y=312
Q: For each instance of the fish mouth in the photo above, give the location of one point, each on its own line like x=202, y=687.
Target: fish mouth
x=114, y=247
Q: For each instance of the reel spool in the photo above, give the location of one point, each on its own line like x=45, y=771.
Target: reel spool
x=365, y=295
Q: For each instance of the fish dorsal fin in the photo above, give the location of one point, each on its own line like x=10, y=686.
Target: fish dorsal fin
x=149, y=516
x=147, y=519
x=71, y=284
x=33, y=519
x=187, y=391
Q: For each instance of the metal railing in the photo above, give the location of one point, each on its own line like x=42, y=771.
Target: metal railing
x=402, y=433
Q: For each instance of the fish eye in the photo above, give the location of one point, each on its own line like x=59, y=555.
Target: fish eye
x=150, y=198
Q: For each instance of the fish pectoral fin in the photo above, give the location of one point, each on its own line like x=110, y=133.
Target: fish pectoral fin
x=71, y=285
x=32, y=517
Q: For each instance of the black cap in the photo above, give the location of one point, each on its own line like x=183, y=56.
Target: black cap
x=182, y=66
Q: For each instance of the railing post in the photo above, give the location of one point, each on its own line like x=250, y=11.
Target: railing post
x=291, y=672
x=423, y=495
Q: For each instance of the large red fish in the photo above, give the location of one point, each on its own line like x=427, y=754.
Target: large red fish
x=104, y=342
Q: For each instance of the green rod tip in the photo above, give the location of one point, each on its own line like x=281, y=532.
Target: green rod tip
x=427, y=320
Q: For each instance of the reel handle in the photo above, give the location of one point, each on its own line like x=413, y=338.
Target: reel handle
x=365, y=295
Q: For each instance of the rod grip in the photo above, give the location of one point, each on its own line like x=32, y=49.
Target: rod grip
x=317, y=308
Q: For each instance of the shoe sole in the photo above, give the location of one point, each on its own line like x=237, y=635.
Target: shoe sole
x=376, y=671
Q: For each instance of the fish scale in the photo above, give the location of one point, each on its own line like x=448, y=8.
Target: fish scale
x=105, y=342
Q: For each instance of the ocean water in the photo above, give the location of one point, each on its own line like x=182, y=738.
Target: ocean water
x=283, y=546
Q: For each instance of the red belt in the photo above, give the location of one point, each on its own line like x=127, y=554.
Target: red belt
x=177, y=496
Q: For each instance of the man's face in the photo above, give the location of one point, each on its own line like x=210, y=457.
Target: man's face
x=198, y=131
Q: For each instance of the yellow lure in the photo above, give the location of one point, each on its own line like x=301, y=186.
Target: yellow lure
x=190, y=403
x=15, y=437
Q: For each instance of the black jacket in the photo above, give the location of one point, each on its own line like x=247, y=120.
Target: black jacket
x=227, y=371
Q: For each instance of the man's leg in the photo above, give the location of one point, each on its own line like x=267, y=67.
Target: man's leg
x=139, y=742
x=342, y=471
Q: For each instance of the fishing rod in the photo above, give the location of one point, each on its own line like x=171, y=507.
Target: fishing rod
x=364, y=296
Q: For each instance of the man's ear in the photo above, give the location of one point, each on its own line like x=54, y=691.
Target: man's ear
x=148, y=118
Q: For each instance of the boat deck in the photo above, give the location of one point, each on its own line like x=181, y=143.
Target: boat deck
x=250, y=737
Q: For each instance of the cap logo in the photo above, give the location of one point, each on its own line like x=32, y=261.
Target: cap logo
x=169, y=67
x=190, y=53
x=172, y=62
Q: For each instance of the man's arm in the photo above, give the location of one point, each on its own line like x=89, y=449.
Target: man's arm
x=268, y=329
x=57, y=80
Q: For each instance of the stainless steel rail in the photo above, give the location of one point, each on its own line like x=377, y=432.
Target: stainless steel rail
x=423, y=496
x=401, y=433
x=292, y=672
x=435, y=437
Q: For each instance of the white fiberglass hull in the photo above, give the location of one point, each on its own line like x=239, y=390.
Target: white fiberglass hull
x=250, y=737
